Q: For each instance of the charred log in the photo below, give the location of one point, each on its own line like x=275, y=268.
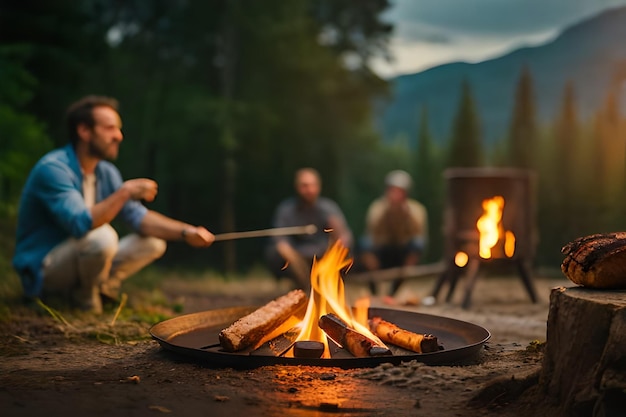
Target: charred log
x=356, y=343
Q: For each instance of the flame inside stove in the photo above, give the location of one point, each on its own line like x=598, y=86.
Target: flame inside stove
x=491, y=231
x=490, y=225
x=328, y=296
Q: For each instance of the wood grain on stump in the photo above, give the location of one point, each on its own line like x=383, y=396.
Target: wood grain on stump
x=584, y=368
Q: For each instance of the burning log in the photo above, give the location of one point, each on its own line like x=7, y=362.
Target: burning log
x=596, y=261
x=356, y=343
x=390, y=333
x=250, y=329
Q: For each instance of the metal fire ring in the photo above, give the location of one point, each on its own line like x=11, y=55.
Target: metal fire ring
x=196, y=336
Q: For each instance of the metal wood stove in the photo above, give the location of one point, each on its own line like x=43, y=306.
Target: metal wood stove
x=471, y=194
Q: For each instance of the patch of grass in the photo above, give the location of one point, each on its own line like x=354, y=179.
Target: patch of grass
x=10, y=285
x=535, y=346
x=154, y=294
x=120, y=325
x=10, y=294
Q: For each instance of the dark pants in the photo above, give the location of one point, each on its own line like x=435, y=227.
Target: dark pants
x=392, y=257
x=280, y=268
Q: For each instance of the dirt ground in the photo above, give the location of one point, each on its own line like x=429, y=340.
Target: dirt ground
x=89, y=367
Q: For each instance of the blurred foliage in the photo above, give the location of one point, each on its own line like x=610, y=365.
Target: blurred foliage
x=23, y=137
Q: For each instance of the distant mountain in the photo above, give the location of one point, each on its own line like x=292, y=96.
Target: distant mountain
x=589, y=54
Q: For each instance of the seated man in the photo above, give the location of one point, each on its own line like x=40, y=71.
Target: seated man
x=65, y=244
x=396, y=229
x=307, y=207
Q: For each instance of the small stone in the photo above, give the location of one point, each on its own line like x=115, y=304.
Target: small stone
x=429, y=301
x=134, y=379
x=221, y=398
x=159, y=408
x=329, y=406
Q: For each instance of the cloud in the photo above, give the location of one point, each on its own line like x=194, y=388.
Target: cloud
x=433, y=32
x=415, y=56
x=423, y=32
x=495, y=17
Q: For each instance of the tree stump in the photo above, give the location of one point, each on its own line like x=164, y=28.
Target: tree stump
x=584, y=366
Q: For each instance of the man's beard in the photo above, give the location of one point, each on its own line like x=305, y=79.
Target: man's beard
x=308, y=200
x=100, y=152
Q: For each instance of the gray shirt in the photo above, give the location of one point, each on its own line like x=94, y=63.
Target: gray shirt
x=325, y=214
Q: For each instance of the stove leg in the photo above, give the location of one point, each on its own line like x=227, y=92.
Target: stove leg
x=524, y=271
x=445, y=276
x=472, y=277
x=454, y=279
x=449, y=276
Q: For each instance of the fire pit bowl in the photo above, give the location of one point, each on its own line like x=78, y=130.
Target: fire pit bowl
x=196, y=335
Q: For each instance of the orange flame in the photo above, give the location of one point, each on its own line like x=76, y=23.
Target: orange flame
x=491, y=232
x=509, y=243
x=328, y=296
x=489, y=225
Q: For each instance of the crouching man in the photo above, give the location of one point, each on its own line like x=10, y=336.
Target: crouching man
x=396, y=229
x=65, y=244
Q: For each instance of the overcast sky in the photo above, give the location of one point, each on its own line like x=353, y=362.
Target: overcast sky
x=432, y=32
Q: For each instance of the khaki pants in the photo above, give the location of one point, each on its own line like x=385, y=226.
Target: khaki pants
x=96, y=264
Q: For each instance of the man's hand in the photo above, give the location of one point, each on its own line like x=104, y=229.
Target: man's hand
x=198, y=237
x=137, y=189
x=141, y=189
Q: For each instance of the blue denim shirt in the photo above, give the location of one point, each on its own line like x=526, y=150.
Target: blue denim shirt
x=52, y=209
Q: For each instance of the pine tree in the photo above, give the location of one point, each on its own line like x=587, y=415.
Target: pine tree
x=566, y=134
x=523, y=128
x=466, y=148
x=615, y=141
x=609, y=163
x=428, y=183
x=425, y=167
x=566, y=176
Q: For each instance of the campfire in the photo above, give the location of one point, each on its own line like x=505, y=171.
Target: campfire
x=329, y=324
x=489, y=218
x=320, y=329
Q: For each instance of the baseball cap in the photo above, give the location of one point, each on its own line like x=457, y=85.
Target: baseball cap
x=398, y=178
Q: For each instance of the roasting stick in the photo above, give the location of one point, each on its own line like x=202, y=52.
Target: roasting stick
x=277, y=231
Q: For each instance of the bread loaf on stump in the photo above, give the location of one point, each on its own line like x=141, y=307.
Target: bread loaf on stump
x=596, y=261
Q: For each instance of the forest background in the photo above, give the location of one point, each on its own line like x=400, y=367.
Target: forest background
x=223, y=100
